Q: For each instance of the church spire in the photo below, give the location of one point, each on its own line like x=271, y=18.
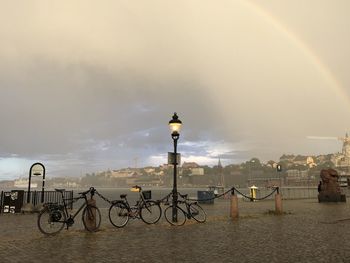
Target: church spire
x=219, y=163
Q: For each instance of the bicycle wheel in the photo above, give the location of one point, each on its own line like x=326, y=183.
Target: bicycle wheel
x=51, y=222
x=118, y=214
x=181, y=216
x=150, y=212
x=197, y=213
x=91, y=218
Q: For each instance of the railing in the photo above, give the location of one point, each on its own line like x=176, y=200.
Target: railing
x=288, y=193
x=292, y=193
x=35, y=197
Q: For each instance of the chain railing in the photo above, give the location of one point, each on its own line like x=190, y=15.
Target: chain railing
x=232, y=190
x=103, y=197
x=276, y=189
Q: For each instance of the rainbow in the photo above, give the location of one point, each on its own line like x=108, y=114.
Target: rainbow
x=307, y=51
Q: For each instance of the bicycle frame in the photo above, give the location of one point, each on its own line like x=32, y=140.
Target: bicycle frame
x=137, y=205
x=70, y=216
x=187, y=211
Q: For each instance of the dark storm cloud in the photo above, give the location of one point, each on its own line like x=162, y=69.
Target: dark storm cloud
x=81, y=109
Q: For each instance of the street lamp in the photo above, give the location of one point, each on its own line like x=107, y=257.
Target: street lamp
x=37, y=169
x=175, y=126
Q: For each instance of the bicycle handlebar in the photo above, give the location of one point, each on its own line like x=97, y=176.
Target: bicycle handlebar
x=91, y=190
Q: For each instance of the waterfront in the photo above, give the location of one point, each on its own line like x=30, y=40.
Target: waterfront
x=307, y=232
x=288, y=193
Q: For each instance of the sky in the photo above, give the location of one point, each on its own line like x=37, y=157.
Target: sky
x=87, y=86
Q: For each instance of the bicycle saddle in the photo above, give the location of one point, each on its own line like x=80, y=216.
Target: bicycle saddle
x=123, y=195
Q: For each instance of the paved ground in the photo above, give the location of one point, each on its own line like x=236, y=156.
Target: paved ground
x=307, y=232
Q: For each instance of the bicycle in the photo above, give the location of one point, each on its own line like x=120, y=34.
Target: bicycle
x=148, y=211
x=53, y=217
x=191, y=210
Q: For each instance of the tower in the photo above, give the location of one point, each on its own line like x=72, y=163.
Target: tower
x=346, y=146
x=221, y=174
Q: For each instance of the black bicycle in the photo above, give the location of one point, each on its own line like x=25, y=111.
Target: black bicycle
x=54, y=216
x=191, y=210
x=148, y=210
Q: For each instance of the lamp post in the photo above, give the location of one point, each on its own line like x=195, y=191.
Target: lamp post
x=175, y=126
x=36, y=169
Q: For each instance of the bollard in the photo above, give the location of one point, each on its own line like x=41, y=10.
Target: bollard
x=278, y=202
x=91, y=221
x=234, y=205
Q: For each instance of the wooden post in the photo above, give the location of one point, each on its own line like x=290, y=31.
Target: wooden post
x=91, y=221
x=234, y=205
x=278, y=202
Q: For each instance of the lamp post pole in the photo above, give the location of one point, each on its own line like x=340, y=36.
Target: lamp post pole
x=175, y=126
x=175, y=138
x=43, y=185
x=30, y=180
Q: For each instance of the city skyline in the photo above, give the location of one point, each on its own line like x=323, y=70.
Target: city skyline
x=86, y=87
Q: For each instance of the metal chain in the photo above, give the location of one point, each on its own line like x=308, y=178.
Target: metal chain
x=218, y=196
x=212, y=198
x=104, y=198
x=196, y=200
x=259, y=199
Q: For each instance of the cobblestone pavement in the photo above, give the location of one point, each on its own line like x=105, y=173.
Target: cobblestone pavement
x=307, y=232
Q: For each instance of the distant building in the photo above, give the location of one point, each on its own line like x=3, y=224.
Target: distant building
x=304, y=160
x=197, y=171
x=123, y=174
x=342, y=159
x=189, y=165
x=24, y=183
x=149, y=170
x=271, y=164
x=298, y=160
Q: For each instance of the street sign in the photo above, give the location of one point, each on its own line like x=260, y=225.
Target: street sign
x=171, y=158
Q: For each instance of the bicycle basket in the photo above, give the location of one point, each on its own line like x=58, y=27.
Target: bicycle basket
x=147, y=194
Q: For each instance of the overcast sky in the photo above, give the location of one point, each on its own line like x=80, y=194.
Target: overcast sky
x=91, y=85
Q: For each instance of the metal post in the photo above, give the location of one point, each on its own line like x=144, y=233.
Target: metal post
x=34, y=198
x=30, y=179
x=43, y=187
x=175, y=138
x=234, y=205
x=1, y=201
